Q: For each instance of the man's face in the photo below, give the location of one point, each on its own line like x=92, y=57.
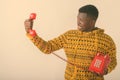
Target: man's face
x=84, y=22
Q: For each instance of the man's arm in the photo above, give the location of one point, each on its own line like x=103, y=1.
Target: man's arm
x=48, y=46
x=44, y=46
x=112, y=54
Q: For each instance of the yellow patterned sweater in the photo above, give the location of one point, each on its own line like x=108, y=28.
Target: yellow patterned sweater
x=80, y=49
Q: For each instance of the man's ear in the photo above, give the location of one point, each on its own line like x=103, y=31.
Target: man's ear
x=93, y=22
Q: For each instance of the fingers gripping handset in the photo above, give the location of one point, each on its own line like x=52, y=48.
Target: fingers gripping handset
x=29, y=24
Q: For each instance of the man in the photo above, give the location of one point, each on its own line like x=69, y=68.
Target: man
x=80, y=45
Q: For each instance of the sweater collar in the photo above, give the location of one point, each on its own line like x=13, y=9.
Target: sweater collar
x=94, y=31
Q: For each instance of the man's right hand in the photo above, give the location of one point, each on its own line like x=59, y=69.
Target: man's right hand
x=28, y=25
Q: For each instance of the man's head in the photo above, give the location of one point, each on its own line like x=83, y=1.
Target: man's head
x=87, y=17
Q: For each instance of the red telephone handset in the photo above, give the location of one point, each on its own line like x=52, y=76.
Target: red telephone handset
x=32, y=17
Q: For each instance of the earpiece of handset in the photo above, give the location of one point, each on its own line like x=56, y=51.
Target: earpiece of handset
x=32, y=16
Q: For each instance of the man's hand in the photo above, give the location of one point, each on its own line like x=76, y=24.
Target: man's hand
x=105, y=72
x=28, y=25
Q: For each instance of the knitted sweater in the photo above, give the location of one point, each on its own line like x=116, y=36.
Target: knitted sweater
x=80, y=49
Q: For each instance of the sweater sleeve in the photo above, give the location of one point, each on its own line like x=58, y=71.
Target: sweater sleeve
x=48, y=46
x=112, y=54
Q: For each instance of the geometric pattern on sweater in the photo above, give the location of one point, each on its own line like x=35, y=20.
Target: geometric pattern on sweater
x=80, y=49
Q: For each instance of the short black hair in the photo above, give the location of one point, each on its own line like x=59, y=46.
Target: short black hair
x=91, y=11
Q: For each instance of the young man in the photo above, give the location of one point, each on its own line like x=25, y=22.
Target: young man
x=80, y=45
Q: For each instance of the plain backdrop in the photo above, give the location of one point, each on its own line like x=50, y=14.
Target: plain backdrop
x=21, y=60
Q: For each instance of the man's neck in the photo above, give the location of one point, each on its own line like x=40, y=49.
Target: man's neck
x=89, y=30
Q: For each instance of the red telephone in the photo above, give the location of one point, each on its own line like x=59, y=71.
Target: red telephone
x=99, y=63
